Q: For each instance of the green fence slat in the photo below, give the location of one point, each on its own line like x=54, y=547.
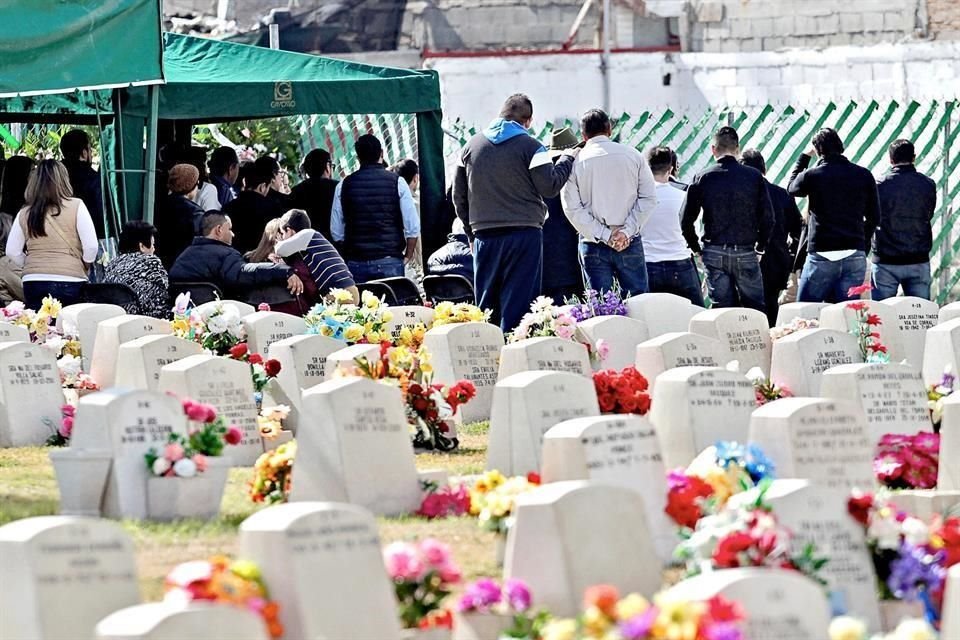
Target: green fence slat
x=707, y=118
x=784, y=140
x=759, y=120
x=874, y=134
x=635, y=129
x=664, y=119
x=894, y=133
x=817, y=125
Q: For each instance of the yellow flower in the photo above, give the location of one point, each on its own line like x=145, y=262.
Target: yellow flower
x=560, y=629
x=426, y=367
x=341, y=296
x=51, y=307
x=245, y=569
x=678, y=619
x=180, y=326
x=419, y=332
x=325, y=330
x=631, y=606
x=373, y=337
x=370, y=301
x=386, y=316
x=595, y=622
x=406, y=336
x=722, y=483
x=847, y=628
x=353, y=333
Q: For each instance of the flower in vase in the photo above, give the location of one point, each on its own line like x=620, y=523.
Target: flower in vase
x=185, y=468
x=173, y=452
x=161, y=466
x=403, y=562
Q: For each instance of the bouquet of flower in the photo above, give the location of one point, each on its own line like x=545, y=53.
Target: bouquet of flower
x=423, y=574
x=703, y=489
x=493, y=498
x=848, y=628
x=262, y=371
x=455, y=313
x=209, y=431
x=217, y=329
x=341, y=319
x=271, y=420
x=411, y=337
x=908, y=462
x=544, y=319
x=765, y=389
x=622, y=392
x=797, y=324
x=443, y=502
x=39, y=323
x=272, y=474
x=871, y=349
x=72, y=375
x=61, y=436
x=595, y=304
x=935, y=395
x=238, y=583
x=606, y=616
x=512, y=599
x=177, y=458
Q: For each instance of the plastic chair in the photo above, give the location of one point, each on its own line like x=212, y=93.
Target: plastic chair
x=110, y=293
x=380, y=290
x=404, y=289
x=200, y=292
x=449, y=288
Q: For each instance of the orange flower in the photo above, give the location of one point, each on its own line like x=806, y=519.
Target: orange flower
x=603, y=597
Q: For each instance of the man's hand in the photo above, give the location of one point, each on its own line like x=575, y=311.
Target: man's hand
x=618, y=240
x=571, y=152
x=294, y=284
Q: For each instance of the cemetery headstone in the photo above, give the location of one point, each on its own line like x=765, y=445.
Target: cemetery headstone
x=800, y=358
x=30, y=394
x=544, y=354
x=62, y=574
x=806, y=310
x=243, y=309
x=914, y=317
x=343, y=361
x=681, y=349
x=948, y=472
x=842, y=318
x=892, y=396
x=621, y=335
x=744, y=332
x=467, y=351
x=266, y=327
x=354, y=446
x=941, y=350
x=948, y=312
x=10, y=332
x=951, y=605
x=296, y=542
x=112, y=333
x=525, y=406
x=927, y=503
x=303, y=364
x=227, y=385
x=694, y=407
x=621, y=450
x=824, y=441
x=409, y=316
x=572, y=535
x=165, y=621
x=139, y=361
x=81, y=321
x=661, y=312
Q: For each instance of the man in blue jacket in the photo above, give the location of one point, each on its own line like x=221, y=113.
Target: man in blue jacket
x=503, y=175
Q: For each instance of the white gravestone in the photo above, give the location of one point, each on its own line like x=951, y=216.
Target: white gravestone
x=824, y=441
x=807, y=310
x=525, y=406
x=892, y=396
x=227, y=385
x=10, y=332
x=745, y=333
x=693, y=408
x=243, y=309
x=941, y=350
x=620, y=333
x=572, y=535
x=779, y=604
x=544, y=354
x=112, y=333
x=354, y=446
x=409, y=316
x=621, y=450
x=343, y=361
x=948, y=472
x=266, y=327
x=951, y=605
x=139, y=361
x=61, y=575
x=80, y=321
x=948, y=312
x=661, y=312
x=818, y=515
x=914, y=317
x=166, y=621
x=681, y=349
x=303, y=364
x=800, y=358
x=467, y=351
x=842, y=318
x=294, y=543
x=30, y=394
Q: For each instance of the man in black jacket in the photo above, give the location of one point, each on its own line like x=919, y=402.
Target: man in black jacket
x=252, y=210
x=84, y=179
x=737, y=220
x=904, y=238
x=844, y=209
x=777, y=261
x=211, y=259
x=315, y=194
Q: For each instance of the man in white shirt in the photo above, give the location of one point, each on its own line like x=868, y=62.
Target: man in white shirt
x=607, y=199
x=670, y=267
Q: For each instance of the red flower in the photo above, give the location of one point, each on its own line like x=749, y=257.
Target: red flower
x=255, y=358
x=234, y=435
x=854, y=292
x=533, y=478
x=683, y=500
x=420, y=404
x=272, y=367
x=859, y=505
x=729, y=548
x=876, y=346
x=415, y=389
x=238, y=351
x=949, y=532
x=719, y=609
x=603, y=597
x=874, y=320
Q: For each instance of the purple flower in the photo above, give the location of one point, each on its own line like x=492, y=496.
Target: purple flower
x=915, y=569
x=724, y=631
x=517, y=594
x=480, y=596
x=637, y=627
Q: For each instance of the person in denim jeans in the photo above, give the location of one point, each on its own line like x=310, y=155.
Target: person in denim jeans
x=737, y=221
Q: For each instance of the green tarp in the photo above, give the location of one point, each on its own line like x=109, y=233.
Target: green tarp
x=61, y=45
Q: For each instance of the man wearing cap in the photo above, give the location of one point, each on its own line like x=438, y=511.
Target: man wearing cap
x=179, y=219
x=609, y=197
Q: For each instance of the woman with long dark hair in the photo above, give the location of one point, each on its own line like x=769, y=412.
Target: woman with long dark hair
x=53, y=238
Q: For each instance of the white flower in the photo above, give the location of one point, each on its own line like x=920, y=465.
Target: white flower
x=160, y=466
x=541, y=304
x=914, y=629
x=70, y=366
x=755, y=375
x=55, y=342
x=443, y=409
x=217, y=324
x=185, y=468
x=915, y=531
x=182, y=303
x=886, y=531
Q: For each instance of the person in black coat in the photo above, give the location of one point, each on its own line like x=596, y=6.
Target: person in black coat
x=315, y=194
x=210, y=258
x=252, y=210
x=178, y=221
x=84, y=179
x=453, y=258
x=777, y=262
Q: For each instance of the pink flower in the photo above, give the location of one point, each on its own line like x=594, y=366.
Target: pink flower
x=854, y=292
x=211, y=413
x=173, y=452
x=195, y=411
x=928, y=443
x=201, y=461
x=403, y=562
x=263, y=306
x=450, y=573
x=66, y=427
x=234, y=435
x=435, y=553
x=68, y=411
x=603, y=349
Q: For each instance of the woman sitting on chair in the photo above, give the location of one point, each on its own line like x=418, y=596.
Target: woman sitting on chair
x=141, y=270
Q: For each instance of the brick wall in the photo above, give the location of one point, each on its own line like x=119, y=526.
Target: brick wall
x=944, y=19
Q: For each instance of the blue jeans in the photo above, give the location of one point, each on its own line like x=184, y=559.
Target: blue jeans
x=914, y=278
x=733, y=276
x=678, y=277
x=602, y=265
x=825, y=280
x=367, y=270
x=34, y=291
x=508, y=268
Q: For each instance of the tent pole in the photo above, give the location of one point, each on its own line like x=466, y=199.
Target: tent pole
x=150, y=184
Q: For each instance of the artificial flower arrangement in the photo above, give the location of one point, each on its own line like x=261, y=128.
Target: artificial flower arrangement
x=594, y=304
x=234, y=582
x=797, y=324
x=430, y=406
x=423, y=574
x=512, y=599
x=411, y=336
x=608, y=616
x=936, y=394
x=39, y=323
x=765, y=389
x=176, y=458
x=863, y=329
x=262, y=371
x=545, y=319
x=272, y=474
x=270, y=421
x=341, y=319
x=908, y=462
x=208, y=431
x=458, y=312
x=443, y=502
x=622, y=391
x=72, y=375
x=849, y=628
x=493, y=498
x=217, y=329
x=61, y=435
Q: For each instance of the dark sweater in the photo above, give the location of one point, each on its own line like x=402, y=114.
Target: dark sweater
x=843, y=203
x=250, y=212
x=315, y=196
x=208, y=260
x=908, y=200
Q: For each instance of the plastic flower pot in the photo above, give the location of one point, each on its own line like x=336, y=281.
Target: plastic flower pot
x=480, y=626
x=218, y=469
x=173, y=497
x=892, y=612
x=82, y=479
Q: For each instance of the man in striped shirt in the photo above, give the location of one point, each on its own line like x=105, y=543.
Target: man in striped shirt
x=326, y=266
